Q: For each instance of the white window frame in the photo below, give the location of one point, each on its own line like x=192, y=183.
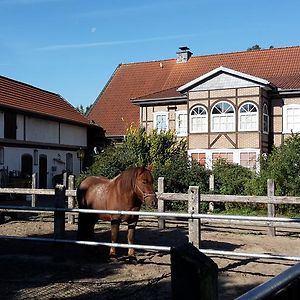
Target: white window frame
x=263, y=118
x=285, y=118
x=221, y=116
x=203, y=117
x=160, y=113
x=179, y=130
x=248, y=114
x=236, y=155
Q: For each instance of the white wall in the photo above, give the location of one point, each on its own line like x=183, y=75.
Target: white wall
x=73, y=135
x=56, y=161
x=39, y=130
x=20, y=127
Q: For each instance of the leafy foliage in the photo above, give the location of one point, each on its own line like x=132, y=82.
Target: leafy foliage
x=162, y=152
x=83, y=110
x=230, y=179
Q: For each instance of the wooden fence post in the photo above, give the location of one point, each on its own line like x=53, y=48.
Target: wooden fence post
x=194, y=224
x=193, y=274
x=271, y=206
x=161, y=203
x=59, y=216
x=33, y=186
x=211, y=205
x=71, y=199
x=65, y=179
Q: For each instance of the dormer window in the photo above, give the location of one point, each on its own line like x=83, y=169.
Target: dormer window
x=223, y=117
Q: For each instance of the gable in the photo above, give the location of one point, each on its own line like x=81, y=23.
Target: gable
x=224, y=81
x=221, y=78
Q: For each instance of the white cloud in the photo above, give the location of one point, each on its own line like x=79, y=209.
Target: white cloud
x=113, y=43
x=93, y=29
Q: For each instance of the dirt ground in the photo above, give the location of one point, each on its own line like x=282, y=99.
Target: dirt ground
x=39, y=270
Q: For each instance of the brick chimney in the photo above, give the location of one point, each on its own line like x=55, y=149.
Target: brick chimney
x=183, y=55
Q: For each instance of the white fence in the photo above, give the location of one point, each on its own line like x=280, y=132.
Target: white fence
x=193, y=216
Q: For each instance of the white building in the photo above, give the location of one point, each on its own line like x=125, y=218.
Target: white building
x=40, y=132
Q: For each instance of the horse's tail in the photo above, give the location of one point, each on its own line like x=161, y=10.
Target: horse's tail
x=80, y=197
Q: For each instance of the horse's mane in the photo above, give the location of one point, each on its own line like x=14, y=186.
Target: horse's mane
x=127, y=177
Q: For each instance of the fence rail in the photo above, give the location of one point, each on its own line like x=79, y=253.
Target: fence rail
x=194, y=217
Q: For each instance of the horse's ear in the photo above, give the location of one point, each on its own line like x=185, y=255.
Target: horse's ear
x=149, y=167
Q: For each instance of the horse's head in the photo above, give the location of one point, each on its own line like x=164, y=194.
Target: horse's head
x=144, y=187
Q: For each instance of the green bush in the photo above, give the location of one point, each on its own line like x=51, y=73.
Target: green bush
x=163, y=152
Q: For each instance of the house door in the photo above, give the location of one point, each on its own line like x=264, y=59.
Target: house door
x=43, y=172
x=26, y=165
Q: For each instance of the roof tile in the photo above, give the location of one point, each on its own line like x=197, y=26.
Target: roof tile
x=114, y=111
x=21, y=96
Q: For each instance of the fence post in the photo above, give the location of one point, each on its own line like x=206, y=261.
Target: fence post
x=193, y=274
x=194, y=224
x=65, y=179
x=211, y=189
x=161, y=203
x=271, y=206
x=71, y=199
x=33, y=186
x=59, y=216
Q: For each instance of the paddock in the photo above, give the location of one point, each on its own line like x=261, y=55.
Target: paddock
x=279, y=252
x=62, y=271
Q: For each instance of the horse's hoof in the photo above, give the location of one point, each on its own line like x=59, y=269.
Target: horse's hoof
x=113, y=258
x=132, y=260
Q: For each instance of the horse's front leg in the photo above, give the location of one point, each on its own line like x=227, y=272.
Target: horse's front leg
x=131, y=239
x=115, y=225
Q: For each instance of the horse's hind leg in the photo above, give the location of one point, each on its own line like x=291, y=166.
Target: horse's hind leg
x=131, y=239
x=115, y=226
x=86, y=224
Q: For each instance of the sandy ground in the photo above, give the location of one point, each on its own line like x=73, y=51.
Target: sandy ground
x=47, y=271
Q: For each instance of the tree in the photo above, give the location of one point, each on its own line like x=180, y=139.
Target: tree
x=255, y=47
x=162, y=151
x=82, y=110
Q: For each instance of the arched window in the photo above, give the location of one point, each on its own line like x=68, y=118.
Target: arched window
x=222, y=117
x=265, y=119
x=198, y=119
x=248, y=118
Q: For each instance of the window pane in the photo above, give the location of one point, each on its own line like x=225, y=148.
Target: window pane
x=223, y=117
x=181, y=123
x=248, y=160
x=161, y=122
x=199, y=119
x=199, y=157
x=228, y=156
x=293, y=119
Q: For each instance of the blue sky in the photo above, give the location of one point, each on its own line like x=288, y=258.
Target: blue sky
x=71, y=47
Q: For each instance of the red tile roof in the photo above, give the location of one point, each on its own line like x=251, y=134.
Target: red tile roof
x=21, y=96
x=114, y=111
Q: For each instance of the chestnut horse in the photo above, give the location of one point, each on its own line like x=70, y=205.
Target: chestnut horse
x=127, y=191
